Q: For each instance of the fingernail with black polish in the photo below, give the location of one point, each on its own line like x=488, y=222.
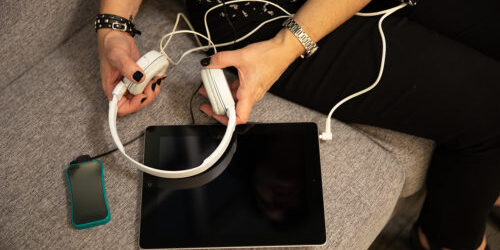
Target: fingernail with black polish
x=153, y=86
x=205, y=61
x=161, y=79
x=137, y=76
x=143, y=99
x=158, y=82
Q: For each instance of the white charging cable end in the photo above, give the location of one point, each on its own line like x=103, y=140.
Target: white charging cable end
x=326, y=136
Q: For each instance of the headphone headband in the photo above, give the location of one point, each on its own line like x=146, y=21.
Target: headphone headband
x=207, y=163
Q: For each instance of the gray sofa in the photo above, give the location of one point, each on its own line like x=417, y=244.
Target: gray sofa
x=53, y=109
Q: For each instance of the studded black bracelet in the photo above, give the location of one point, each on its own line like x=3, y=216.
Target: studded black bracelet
x=116, y=23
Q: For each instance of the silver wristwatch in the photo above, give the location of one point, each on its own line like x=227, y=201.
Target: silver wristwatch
x=301, y=35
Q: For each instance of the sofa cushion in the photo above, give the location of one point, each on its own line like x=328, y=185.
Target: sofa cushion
x=32, y=29
x=413, y=154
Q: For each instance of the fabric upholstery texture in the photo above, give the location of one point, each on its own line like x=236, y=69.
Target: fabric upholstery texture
x=56, y=111
x=413, y=154
x=31, y=29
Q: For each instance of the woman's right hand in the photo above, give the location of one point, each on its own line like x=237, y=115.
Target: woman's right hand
x=118, y=54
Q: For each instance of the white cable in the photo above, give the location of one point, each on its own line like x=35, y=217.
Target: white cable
x=382, y=12
x=208, y=37
x=327, y=135
x=238, y=1
x=182, y=32
x=179, y=16
x=237, y=40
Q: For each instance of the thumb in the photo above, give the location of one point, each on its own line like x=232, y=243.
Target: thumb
x=126, y=65
x=243, y=110
x=221, y=60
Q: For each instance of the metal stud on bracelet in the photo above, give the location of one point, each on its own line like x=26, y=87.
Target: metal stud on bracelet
x=116, y=23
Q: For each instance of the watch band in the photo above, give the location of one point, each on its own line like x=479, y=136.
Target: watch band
x=116, y=23
x=302, y=36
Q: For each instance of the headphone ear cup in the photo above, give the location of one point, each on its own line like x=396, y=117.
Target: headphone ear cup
x=218, y=90
x=154, y=64
x=216, y=103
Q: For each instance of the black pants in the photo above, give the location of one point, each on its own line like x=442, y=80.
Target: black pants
x=441, y=81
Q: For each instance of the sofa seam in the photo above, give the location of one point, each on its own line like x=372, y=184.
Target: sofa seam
x=62, y=43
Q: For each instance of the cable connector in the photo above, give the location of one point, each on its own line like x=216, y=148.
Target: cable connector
x=326, y=136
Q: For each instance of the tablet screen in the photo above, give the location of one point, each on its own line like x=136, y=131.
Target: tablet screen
x=265, y=190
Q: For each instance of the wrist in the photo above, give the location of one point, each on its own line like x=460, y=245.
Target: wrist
x=101, y=33
x=104, y=35
x=289, y=44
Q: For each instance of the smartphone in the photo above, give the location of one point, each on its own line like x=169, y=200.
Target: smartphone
x=89, y=207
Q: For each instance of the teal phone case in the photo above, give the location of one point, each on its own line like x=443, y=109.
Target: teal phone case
x=96, y=222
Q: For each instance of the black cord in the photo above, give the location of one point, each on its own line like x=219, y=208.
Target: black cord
x=113, y=150
x=191, y=104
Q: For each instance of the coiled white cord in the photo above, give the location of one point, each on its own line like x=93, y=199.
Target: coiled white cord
x=168, y=36
x=327, y=135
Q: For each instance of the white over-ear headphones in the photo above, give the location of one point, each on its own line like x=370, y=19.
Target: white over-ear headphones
x=154, y=64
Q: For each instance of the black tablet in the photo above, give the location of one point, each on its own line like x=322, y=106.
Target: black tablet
x=265, y=191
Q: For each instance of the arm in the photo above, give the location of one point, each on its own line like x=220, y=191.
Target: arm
x=118, y=53
x=124, y=8
x=261, y=64
x=318, y=18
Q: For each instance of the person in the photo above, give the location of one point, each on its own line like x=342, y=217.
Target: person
x=440, y=82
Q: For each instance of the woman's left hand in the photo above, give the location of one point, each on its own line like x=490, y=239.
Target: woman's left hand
x=259, y=66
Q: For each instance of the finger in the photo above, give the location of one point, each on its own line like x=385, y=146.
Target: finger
x=149, y=91
x=128, y=95
x=243, y=110
x=203, y=92
x=130, y=103
x=207, y=109
x=126, y=65
x=122, y=101
x=233, y=87
x=221, y=60
x=108, y=91
x=109, y=78
x=128, y=106
x=155, y=86
x=235, y=84
x=159, y=84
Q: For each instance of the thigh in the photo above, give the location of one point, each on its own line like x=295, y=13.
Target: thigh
x=474, y=23
x=432, y=86
x=235, y=20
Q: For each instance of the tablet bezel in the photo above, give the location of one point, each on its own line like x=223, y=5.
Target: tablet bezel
x=314, y=183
